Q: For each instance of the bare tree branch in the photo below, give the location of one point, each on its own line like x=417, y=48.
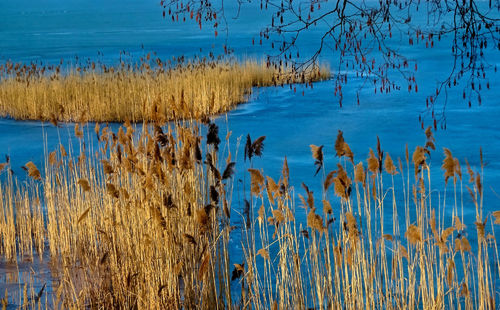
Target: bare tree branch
x=360, y=34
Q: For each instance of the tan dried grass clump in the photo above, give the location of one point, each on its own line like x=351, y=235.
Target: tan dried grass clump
x=142, y=92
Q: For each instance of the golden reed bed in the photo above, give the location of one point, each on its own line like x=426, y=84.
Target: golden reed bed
x=143, y=91
x=146, y=222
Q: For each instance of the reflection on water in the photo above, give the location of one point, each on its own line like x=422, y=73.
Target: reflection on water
x=26, y=282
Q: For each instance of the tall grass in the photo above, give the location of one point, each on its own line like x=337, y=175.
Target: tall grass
x=145, y=221
x=346, y=257
x=147, y=90
x=129, y=226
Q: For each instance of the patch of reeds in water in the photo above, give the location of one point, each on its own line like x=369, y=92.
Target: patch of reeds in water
x=127, y=226
x=145, y=223
x=148, y=90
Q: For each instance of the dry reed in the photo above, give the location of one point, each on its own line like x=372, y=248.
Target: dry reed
x=146, y=91
x=145, y=223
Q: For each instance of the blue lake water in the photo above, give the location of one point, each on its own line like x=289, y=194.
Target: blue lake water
x=49, y=30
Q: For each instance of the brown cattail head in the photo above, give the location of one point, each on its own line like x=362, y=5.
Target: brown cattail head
x=285, y=172
x=480, y=229
x=310, y=196
x=342, y=183
x=407, y=155
x=339, y=144
x=458, y=169
x=84, y=184
x=202, y=218
x=450, y=272
x=315, y=221
x=327, y=207
x=380, y=155
x=464, y=290
x=228, y=171
x=63, y=151
x=248, y=148
x=446, y=233
x=257, y=181
x=448, y=166
x=317, y=153
x=213, y=135
x=112, y=191
x=373, y=164
x=264, y=253
x=413, y=234
x=278, y=217
x=352, y=227
x=458, y=224
x=462, y=245
x=496, y=215
x=258, y=146
x=348, y=153
x=479, y=185
x=78, y=131
x=108, y=168
x=204, y=266
x=272, y=189
x=53, y=158
x=403, y=252
x=261, y=212
x=429, y=144
x=342, y=148
x=359, y=173
x=97, y=131
x=389, y=165
x=33, y=171
x=418, y=159
x=432, y=223
x=470, y=172
x=329, y=180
